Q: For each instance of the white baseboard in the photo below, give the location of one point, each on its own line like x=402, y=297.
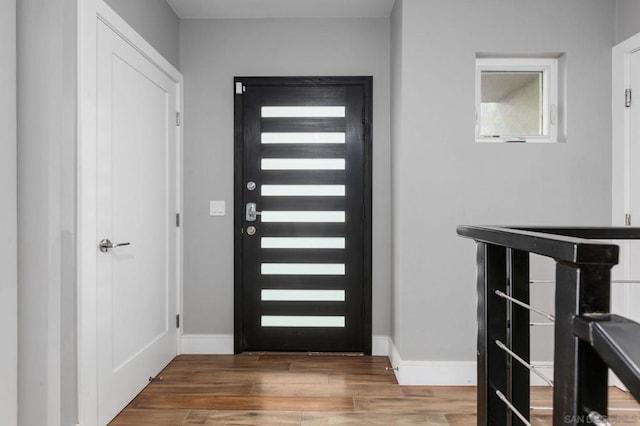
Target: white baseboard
x=432, y=373
x=614, y=381
x=206, y=344
x=447, y=373
x=437, y=373
x=380, y=346
x=222, y=344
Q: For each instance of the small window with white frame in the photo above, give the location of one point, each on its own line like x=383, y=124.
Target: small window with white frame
x=516, y=100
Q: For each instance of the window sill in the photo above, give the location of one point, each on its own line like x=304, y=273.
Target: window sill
x=508, y=140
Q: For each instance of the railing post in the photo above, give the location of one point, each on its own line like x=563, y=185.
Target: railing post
x=580, y=376
x=492, y=326
x=518, y=333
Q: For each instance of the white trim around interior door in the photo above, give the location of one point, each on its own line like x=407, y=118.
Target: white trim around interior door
x=621, y=166
x=89, y=12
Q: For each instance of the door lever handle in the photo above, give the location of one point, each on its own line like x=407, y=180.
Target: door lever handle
x=106, y=244
x=251, y=212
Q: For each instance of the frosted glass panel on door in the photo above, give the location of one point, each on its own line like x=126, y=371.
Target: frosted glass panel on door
x=303, y=111
x=303, y=190
x=303, y=164
x=302, y=269
x=302, y=321
x=324, y=137
x=303, y=295
x=303, y=216
x=302, y=243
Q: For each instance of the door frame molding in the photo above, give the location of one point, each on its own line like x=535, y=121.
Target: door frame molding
x=367, y=83
x=89, y=13
x=621, y=164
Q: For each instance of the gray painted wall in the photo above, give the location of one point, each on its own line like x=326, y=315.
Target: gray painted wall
x=439, y=170
x=8, y=209
x=156, y=22
x=47, y=391
x=627, y=19
x=212, y=53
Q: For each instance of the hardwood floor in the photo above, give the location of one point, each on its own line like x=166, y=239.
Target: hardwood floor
x=309, y=390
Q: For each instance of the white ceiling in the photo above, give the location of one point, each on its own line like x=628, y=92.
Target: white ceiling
x=221, y=9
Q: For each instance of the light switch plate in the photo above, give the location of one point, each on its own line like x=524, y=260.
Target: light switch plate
x=216, y=208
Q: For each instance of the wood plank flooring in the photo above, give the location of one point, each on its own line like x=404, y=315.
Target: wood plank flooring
x=310, y=390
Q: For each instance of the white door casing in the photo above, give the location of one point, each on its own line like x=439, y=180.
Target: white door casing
x=633, y=308
x=632, y=291
x=626, y=173
x=129, y=176
x=626, y=160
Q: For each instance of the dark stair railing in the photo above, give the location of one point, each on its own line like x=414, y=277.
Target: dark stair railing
x=588, y=339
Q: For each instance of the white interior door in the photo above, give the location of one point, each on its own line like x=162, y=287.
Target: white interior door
x=136, y=204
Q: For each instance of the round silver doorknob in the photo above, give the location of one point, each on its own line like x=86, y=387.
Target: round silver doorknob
x=106, y=244
x=251, y=230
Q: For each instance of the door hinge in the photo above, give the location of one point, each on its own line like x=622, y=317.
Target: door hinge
x=240, y=88
x=177, y=118
x=627, y=219
x=627, y=98
x=177, y=220
x=178, y=321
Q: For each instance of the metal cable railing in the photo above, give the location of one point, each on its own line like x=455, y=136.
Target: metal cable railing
x=526, y=306
x=530, y=367
x=588, y=340
x=513, y=409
